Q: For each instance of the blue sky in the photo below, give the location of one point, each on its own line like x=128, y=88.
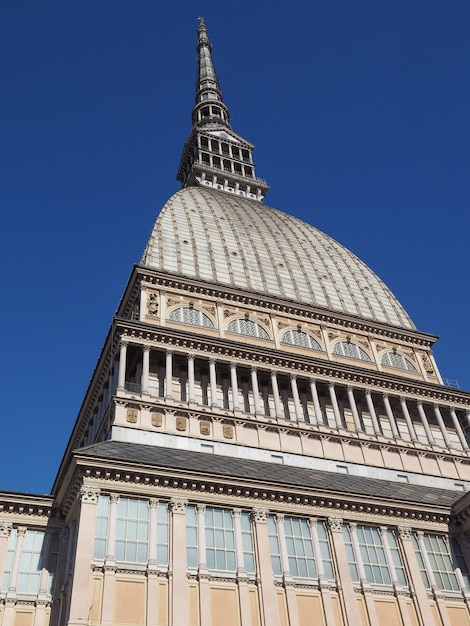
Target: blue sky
x=359, y=114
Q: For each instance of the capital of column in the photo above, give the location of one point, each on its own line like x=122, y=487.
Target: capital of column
x=190, y=356
x=153, y=503
x=331, y=384
x=279, y=517
x=419, y=402
x=212, y=361
x=293, y=376
x=335, y=524
x=89, y=495
x=312, y=522
x=21, y=531
x=233, y=365
x=353, y=527
x=367, y=392
x=124, y=341
x=146, y=348
x=169, y=352
x=5, y=529
x=178, y=505
x=201, y=508
x=114, y=498
x=404, y=532
x=384, y=394
x=253, y=368
x=259, y=514
x=236, y=513
x=383, y=530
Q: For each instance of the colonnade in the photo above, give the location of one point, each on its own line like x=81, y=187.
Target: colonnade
x=287, y=396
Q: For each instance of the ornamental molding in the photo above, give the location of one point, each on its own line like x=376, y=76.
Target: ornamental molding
x=259, y=514
x=230, y=349
x=308, y=501
x=226, y=295
x=89, y=495
x=5, y=528
x=335, y=524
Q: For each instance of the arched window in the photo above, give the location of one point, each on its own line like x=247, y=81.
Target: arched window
x=392, y=359
x=187, y=315
x=247, y=327
x=351, y=350
x=301, y=339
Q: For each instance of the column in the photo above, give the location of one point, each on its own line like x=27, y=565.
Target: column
x=168, y=374
x=237, y=529
x=425, y=422
x=267, y=589
x=203, y=574
x=373, y=414
x=201, y=537
x=458, y=429
x=179, y=607
x=325, y=592
x=405, y=615
x=153, y=506
x=295, y=394
x=255, y=387
x=365, y=585
x=347, y=593
x=191, y=394
x=316, y=403
x=234, y=384
x=276, y=396
x=442, y=426
x=407, y=417
x=391, y=417
x=334, y=402
x=152, y=568
x=213, y=382
x=242, y=578
x=416, y=582
x=5, y=532
x=143, y=302
x=44, y=575
x=15, y=566
x=286, y=575
x=352, y=404
x=107, y=611
x=79, y=602
x=145, y=369
x=122, y=364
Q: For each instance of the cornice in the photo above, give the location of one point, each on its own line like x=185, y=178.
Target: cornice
x=308, y=365
x=263, y=301
x=126, y=476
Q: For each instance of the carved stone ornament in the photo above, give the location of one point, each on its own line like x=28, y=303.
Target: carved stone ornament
x=21, y=531
x=205, y=427
x=228, y=431
x=404, y=532
x=132, y=415
x=259, y=514
x=178, y=505
x=89, y=495
x=335, y=524
x=152, y=306
x=282, y=325
x=5, y=529
x=157, y=419
x=181, y=424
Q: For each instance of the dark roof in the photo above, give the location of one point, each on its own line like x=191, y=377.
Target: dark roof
x=274, y=475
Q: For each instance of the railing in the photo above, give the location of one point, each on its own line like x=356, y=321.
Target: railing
x=448, y=382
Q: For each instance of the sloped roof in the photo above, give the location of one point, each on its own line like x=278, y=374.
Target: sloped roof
x=227, y=239
x=268, y=474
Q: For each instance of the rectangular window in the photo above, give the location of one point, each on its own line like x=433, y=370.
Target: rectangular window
x=299, y=548
x=132, y=531
x=102, y=523
x=9, y=561
x=438, y=552
x=191, y=536
x=247, y=543
x=274, y=546
x=31, y=562
x=373, y=557
x=220, y=541
x=162, y=534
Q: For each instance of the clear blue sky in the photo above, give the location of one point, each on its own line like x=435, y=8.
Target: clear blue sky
x=359, y=113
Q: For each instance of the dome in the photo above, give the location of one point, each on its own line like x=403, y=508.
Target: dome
x=230, y=240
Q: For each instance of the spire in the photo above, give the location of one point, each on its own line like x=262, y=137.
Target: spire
x=213, y=155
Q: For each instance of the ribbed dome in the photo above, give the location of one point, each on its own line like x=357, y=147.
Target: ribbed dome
x=229, y=240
